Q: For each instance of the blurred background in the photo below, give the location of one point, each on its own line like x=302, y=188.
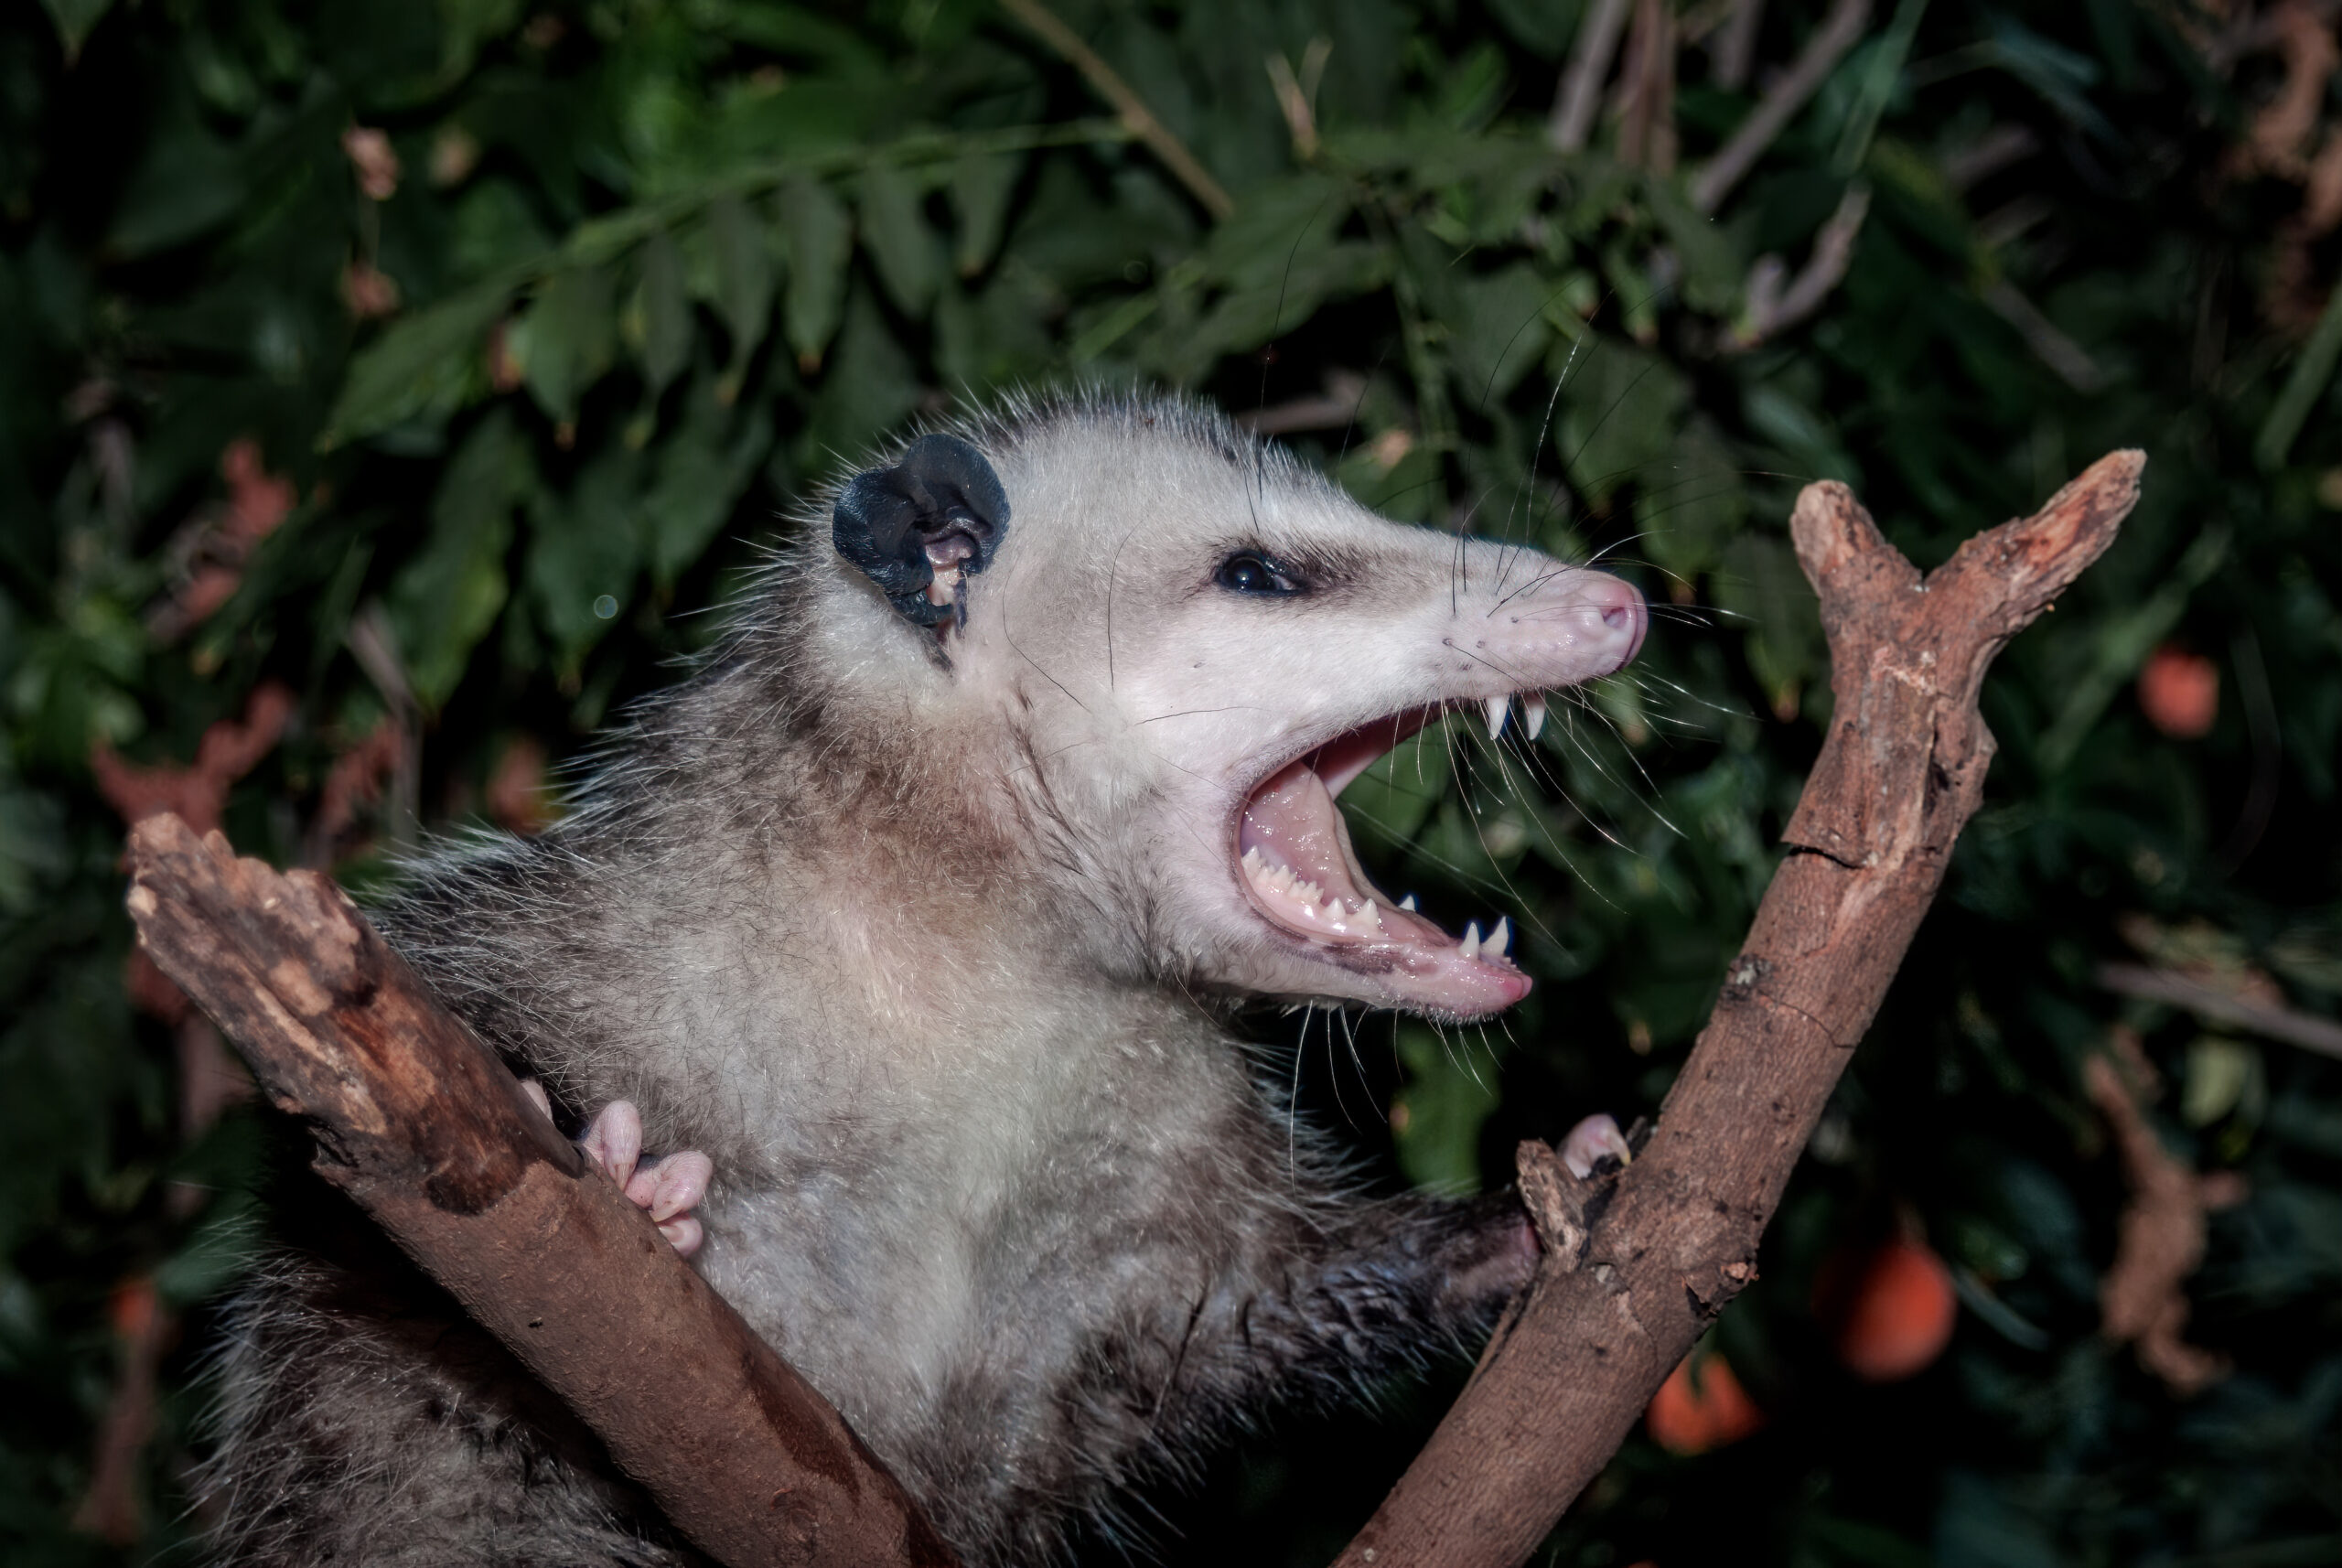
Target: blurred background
x=390, y=391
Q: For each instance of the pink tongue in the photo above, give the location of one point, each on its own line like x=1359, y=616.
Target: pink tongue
x=1292, y=819
x=1292, y=822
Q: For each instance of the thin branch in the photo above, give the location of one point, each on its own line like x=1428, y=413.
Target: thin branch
x=1777, y=302
x=2142, y=1300
x=1580, y=93
x=2066, y=359
x=1597, y=1332
x=1734, y=53
x=1132, y=109
x=2294, y=1027
x=1715, y=180
x=1647, y=90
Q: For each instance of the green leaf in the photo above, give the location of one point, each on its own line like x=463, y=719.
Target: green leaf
x=1803, y=435
x=910, y=261
x=1761, y=582
x=1545, y=28
x=1688, y=502
x=1500, y=331
x=584, y=549
x=2122, y=641
x=1435, y=1119
x=444, y=599
x=869, y=388
x=190, y=182
x=740, y=260
x=820, y=240
x=33, y=851
x=982, y=184
x=73, y=19
x=657, y=324
x=465, y=26
x=2221, y=1073
x=422, y=369
x=1620, y=408
x=1715, y=268
x=567, y=340
x=700, y=475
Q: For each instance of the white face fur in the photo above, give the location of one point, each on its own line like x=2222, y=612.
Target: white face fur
x=1193, y=650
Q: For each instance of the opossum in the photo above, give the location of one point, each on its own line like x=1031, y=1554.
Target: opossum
x=923, y=911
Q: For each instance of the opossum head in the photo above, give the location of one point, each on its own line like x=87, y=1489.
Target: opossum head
x=1157, y=650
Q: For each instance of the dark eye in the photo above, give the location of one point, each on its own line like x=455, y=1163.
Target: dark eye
x=1250, y=571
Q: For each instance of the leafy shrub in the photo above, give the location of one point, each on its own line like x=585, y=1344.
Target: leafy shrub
x=387, y=386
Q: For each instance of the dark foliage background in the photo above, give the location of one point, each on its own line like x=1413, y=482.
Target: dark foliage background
x=424, y=370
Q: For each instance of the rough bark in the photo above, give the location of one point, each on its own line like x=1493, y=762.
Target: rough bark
x=418, y=1121
x=1901, y=771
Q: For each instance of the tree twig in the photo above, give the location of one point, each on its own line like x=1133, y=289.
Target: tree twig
x=1902, y=771
x=1127, y=103
x=1732, y=53
x=420, y=1124
x=2307, y=1030
x=1581, y=91
x=1647, y=90
x=1715, y=180
x=2069, y=361
x=2160, y=1244
x=1776, y=301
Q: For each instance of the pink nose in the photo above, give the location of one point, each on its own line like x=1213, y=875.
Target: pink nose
x=1623, y=613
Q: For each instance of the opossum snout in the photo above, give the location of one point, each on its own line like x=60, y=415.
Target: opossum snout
x=1620, y=608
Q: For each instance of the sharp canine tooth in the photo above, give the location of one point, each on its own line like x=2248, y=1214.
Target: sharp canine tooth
x=1471, y=943
x=1498, y=709
x=1498, y=939
x=1408, y=903
x=1532, y=715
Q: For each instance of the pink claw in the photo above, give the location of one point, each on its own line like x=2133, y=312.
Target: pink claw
x=668, y=1188
x=612, y=1139
x=1589, y=1142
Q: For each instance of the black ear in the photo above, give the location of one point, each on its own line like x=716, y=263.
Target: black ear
x=919, y=529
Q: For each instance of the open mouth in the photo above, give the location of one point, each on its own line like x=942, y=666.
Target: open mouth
x=1298, y=868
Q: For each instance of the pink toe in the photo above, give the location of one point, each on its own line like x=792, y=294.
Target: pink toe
x=1589, y=1142
x=683, y=1234
x=678, y=1183
x=614, y=1140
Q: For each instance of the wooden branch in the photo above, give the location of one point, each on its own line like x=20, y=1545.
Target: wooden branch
x=1713, y=180
x=1581, y=91
x=1775, y=301
x=1136, y=116
x=1903, y=768
x=417, y=1121
x=2213, y=1005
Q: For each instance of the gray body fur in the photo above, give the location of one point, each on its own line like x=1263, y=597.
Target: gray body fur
x=930, y=942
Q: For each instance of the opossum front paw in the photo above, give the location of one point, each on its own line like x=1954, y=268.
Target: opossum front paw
x=669, y=1187
x=1590, y=1143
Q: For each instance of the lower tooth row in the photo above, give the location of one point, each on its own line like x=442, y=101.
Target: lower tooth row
x=1282, y=880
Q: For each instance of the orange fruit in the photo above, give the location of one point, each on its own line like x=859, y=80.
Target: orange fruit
x=1700, y=1408
x=2180, y=693
x=1899, y=1310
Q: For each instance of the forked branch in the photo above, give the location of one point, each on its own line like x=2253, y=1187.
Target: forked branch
x=1902, y=771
